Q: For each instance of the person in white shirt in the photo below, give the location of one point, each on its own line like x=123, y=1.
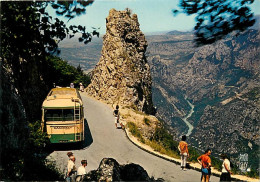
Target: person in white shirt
x=71, y=169
x=81, y=171
x=226, y=169
x=81, y=87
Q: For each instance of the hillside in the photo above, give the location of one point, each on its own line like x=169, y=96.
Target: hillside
x=221, y=81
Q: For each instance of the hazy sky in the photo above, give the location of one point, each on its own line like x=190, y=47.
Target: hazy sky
x=153, y=15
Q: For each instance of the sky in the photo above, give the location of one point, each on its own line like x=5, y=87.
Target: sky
x=153, y=15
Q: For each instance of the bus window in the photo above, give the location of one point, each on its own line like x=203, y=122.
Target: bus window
x=68, y=114
x=59, y=115
x=53, y=115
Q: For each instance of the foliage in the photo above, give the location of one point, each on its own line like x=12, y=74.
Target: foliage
x=37, y=139
x=28, y=35
x=162, y=136
x=193, y=154
x=135, y=132
x=62, y=74
x=253, y=173
x=30, y=163
x=30, y=25
x=215, y=19
x=253, y=94
x=217, y=163
x=147, y=121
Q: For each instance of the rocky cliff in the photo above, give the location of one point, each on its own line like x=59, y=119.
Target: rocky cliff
x=110, y=170
x=222, y=82
x=122, y=75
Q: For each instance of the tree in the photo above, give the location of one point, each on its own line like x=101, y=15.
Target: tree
x=217, y=18
x=29, y=22
x=28, y=35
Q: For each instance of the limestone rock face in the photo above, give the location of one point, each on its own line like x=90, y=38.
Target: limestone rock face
x=122, y=75
x=110, y=170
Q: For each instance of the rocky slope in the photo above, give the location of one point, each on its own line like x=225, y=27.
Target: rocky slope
x=122, y=75
x=221, y=80
x=110, y=170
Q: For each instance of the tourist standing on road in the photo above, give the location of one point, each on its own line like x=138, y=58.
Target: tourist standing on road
x=81, y=87
x=71, y=85
x=71, y=169
x=205, y=163
x=184, y=152
x=116, y=114
x=81, y=172
x=226, y=170
x=69, y=154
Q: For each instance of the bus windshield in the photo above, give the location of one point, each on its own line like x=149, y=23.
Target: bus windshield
x=59, y=114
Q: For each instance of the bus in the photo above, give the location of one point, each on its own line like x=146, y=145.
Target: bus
x=63, y=116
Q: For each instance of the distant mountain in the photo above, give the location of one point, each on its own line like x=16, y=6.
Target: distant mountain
x=257, y=23
x=76, y=53
x=176, y=32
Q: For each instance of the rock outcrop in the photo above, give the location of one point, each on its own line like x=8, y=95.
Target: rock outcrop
x=122, y=75
x=110, y=170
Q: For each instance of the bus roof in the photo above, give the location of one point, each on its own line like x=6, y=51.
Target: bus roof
x=61, y=98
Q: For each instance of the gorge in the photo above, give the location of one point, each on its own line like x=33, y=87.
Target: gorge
x=185, y=119
x=207, y=76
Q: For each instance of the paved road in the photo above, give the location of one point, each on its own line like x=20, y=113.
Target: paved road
x=104, y=141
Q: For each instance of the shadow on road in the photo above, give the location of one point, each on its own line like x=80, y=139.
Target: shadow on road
x=76, y=146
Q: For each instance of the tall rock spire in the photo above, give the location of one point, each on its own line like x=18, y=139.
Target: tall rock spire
x=122, y=75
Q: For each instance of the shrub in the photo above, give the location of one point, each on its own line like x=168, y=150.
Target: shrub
x=37, y=140
x=29, y=163
x=162, y=136
x=147, y=121
x=60, y=72
x=135, y=132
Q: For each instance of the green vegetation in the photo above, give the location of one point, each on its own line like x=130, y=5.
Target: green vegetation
x=209, y=19
x=147, y=121
x=162, y=136
x=164, y=142
x=29, y=163
x=63, y=74
x=253, y=156
x=29, y=38
x=135, y=132
x=253, y=94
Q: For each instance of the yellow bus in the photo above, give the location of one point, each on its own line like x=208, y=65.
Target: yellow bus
x=63, y=116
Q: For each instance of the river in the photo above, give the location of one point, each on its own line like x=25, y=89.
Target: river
x=185, y=119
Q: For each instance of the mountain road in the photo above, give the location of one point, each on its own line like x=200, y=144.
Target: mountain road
x=103, y=140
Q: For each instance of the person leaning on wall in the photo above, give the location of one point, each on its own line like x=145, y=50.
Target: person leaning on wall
x=226, y=169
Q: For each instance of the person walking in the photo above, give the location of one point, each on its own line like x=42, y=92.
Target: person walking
x=205, y=162
x=81, y=87
x=184, y=152
x=116, y=114
x=81, y=172
x=71, y=169
x=226, y=169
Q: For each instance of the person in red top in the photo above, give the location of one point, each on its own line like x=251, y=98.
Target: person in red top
x=184, y=152
x=205, y=163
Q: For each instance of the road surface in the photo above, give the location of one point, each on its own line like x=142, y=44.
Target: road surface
x=105, y=141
